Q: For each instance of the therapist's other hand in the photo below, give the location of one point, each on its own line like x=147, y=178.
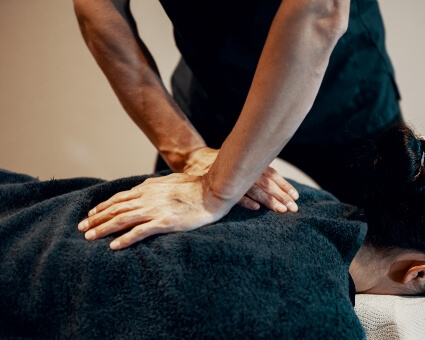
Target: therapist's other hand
x=270, y=189
x=173, y=203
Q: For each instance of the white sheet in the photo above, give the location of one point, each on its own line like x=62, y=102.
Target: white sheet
x=386, y=317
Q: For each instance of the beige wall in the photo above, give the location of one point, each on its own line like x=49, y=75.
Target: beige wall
x=59, y=117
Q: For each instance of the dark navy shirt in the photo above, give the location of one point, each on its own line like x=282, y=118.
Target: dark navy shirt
x=221, y=41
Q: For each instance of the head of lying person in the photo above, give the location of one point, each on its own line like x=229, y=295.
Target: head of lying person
x=392, y=257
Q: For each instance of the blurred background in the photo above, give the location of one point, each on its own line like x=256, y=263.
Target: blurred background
x=59, y=117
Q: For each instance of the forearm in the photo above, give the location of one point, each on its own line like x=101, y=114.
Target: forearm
x=110, y=33
x=285, y=85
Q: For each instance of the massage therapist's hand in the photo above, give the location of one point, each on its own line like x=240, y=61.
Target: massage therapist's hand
x=270, y=189
x=173, y=203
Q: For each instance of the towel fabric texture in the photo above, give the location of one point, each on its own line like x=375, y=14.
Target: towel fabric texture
x=252, y=275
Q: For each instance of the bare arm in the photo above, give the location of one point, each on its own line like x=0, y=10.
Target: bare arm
x=111, y=35
x=287, y=80
x=290, y=71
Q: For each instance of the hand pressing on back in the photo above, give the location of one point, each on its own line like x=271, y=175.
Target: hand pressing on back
x=173, y=203
x=270, y=189
x=179, y=202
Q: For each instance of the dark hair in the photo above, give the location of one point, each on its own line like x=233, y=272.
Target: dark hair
x=394, y=200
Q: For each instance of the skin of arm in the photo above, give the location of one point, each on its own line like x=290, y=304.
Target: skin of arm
x=111, y=34
x=285, y=85
x=286, y=82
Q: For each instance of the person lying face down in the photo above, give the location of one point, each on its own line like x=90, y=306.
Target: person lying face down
x=254, y=272
x=392, y=257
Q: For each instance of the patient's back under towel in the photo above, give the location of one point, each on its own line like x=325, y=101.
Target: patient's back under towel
x=254, y=274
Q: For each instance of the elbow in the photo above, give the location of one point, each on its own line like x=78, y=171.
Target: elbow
x=79, y=8
x=94, y=11
x=82, y=14
x=81, y=11
x=329, y=17
x=336, y=16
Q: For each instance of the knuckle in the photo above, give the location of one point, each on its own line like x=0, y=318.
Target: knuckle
x=114, y=198
x=120, y=220
x=114, y=210
x=270, y=172
x=285, y=185
x=254, y=193
x=247, y=202
x=285, y=199
x=170, y=222
x=100, y=207
x=243, y=200
x=264, y=183
x=139, y=232
x=261, y=181
x=92, y=221
x=269, y=201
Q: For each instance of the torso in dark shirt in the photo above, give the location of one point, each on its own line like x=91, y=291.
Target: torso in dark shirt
x=221, y=42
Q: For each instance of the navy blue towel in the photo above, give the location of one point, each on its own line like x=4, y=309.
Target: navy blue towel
x=254, y=274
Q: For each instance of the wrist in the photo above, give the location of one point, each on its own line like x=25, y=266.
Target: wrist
x=222, y=189
x=200, y=160
x=216, y=200
x=179, y=159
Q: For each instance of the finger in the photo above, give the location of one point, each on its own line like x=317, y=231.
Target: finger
x=281, y=182
x=118, y=223
x=259, y=195
x=118, y=197
x=248, y=203
x=138, y=233
x=108, y=214
x=270, y=189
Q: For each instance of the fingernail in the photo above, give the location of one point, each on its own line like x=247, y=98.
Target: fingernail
x=255, y=206
x=292, y=206
x=92, y=212
x=91, y=234
x=294, y=194
x=279, y=207
x=115, y=245
x=83, y=225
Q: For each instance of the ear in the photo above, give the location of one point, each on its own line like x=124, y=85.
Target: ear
x=415, y=274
